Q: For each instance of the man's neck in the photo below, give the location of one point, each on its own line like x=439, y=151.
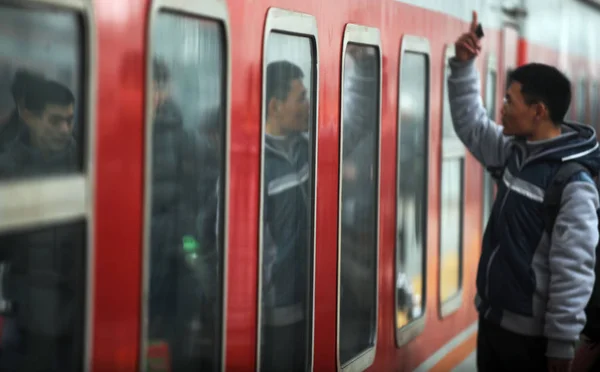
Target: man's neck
x=549, y=131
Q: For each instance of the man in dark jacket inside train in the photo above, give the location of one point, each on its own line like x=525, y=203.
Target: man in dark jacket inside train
x=44, y=283
x=532, y=288
x=178, y=185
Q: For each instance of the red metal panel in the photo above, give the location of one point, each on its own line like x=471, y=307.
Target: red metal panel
x=119, y=183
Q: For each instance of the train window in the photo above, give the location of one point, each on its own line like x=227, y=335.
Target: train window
x=451, y=208
x=288, y=192
x=185, y=185
x=412, y=186
x=595, y=111
x=41, y=100
x=359, y=207
x=490, y=104
x=46, y=84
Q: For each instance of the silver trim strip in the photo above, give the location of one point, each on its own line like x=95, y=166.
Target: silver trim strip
x=410, y=331
x=523, y=187
x=44, y=201
x=80, y=5
x=300, y=24
x=215, y=10
x=358, y=34
x=453, y=149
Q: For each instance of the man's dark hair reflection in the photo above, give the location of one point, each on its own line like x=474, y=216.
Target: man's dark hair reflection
x=24, y=80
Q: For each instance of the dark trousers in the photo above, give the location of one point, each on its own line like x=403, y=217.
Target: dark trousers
x=499, y=350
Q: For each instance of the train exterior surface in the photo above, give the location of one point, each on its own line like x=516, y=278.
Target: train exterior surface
x=202, y=232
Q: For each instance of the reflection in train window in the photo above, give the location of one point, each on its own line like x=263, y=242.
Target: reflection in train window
x=42, y=298
x=595, y=110
x=359, y=201
x=581, y=98
x=488, y=183
x=289, y=137
x=41, y=63
x=451, y=211
x=186, y=152
x=412, y=188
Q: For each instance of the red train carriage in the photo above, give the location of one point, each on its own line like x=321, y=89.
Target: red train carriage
x=178, y=202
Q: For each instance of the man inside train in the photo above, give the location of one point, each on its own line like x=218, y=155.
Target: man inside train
x=532, y=288
x=43, y=288
x=286, y=227
x=177, y=182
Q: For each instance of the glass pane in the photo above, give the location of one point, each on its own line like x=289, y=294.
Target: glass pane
x=447, y=127
x=188, y=127
x=412, y=188
x=288, y=176
x=594, y=98
x=41, y=100
x=42, y=298
x=581, y=102
x=490, y=95
x=488, y=183
x=451, y=228
x=360, y=142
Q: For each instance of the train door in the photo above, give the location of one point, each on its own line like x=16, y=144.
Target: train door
x=46, y=178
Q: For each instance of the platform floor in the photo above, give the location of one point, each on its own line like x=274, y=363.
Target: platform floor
x=468, y=365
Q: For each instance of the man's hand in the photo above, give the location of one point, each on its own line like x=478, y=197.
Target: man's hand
x=586, y=355
x=559, y=365
x=468, y=45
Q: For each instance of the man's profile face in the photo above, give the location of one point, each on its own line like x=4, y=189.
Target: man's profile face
x=517, y=115
x=292, y=113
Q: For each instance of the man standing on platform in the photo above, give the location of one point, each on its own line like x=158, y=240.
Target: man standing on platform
x=532, y=285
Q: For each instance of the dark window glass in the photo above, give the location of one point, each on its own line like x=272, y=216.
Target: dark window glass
x=188, y=143
x=42, y=298
x=41, y=96
x=412, y=188
x=359, y=192
x=289, y=134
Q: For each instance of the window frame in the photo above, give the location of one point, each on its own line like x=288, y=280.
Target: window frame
x=302, y=25
x=367, y=36
x=595, y=104
x=213, y=10
x=582, y=96
x=69, y=198
x=492, y=67
x=452, y=149
x=419, y=45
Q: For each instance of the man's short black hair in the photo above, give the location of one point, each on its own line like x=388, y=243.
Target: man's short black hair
x=542, y=83
x=23, y=81
x=48, y=93
x=280, y=75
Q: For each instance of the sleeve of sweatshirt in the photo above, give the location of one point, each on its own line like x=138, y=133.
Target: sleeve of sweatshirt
x=478, y=133
x=571, y=260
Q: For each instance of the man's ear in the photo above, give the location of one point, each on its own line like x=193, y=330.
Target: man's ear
x=541, y=111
